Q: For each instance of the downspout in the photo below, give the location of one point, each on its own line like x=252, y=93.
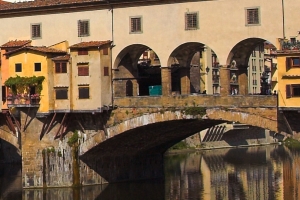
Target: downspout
x=283, y=19
x=111, y=9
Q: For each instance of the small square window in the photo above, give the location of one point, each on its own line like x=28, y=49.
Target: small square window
x=61, y=93
x=36, y=31
x=37, y=67
x=61, y=67
x=84, y=92
x=252, y=16
x=83, y=28
x=135, y=25
x=191, y=21
x=105, y=51
x=18, y=67
x=83, y=70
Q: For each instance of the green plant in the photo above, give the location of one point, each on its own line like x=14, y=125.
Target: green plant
x=21, y=84
x=59, y=154
x=195, y=111
x=179, y=145
x=74, y=139
x=50, y=150
x=126, y=112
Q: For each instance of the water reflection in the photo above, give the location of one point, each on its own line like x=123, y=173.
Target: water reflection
x=265, y=172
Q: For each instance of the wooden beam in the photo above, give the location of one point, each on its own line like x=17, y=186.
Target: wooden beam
x=61, y=124
x=25, y=124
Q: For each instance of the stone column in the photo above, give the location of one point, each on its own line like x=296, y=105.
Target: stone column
x=135, y=87
x=224, y=80
x=185, y=80
x=243, y=81
x=166, y=81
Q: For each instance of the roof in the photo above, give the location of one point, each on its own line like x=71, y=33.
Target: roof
x=15, y=43
x=287, y=52
x=41, y=49
x=4, y=2
x=60, y=58
x=89, y=44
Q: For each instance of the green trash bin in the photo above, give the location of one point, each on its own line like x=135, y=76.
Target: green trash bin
x=155, y=90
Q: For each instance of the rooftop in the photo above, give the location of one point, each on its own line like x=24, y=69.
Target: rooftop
x=16, y=43
x=90, y=44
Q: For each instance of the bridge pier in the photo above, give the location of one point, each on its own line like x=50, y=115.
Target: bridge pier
x=224, y=80
x=166, y=81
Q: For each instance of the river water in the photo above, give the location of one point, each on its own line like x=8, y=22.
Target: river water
x=262, y=172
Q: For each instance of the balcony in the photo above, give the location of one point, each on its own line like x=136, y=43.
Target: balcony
x=290, y=45
x=21, y=101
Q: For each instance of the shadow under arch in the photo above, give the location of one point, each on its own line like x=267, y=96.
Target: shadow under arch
x=137, y=64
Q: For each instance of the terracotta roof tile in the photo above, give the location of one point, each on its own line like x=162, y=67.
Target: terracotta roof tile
x=16, y=43
x=42, y=49
x=44, y=3
x=89, y=44
x=59, y=58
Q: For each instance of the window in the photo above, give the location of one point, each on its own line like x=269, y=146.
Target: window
x=84, y=92
x=18, y=67
x=191, y=21
x=37, y=67
x=135, y=25
x=36, y=31
x=83, y=52
x=61, y=93
x=292, y=62
x=105, y=51
x=83, y=69
x=292, y=90
x=83, y=28
x=106, y=72
x=252, y=16
x=61, y=67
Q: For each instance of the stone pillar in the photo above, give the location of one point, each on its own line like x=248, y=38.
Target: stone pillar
x=166, y=81
x=185, y=80
x=135, y=87
x=224, y=80
x=243, y=81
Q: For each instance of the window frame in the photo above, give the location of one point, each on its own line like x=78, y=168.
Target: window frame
x=36, y=34
x=35, y=67
x=290, y=62
x=133, y=26
x=291, y=90
x=250, y=17
x=64, y=96
x=83, y=28
x=18, y=65
x=83, y=69
x=80, y=93
x=59, y=68
x=195, y=25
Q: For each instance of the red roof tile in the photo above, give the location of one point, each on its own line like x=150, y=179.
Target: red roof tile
x=16, y=43
x=89, y=44
x=59, y=58
x=42, y=49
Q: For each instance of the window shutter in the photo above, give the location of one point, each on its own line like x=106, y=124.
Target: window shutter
x=288, y=63
x=288, y=91
x=105, y=51
x=63, y=67
x=3, y=93
x=106, y=73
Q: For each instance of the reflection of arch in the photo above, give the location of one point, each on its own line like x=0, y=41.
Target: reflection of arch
x=129, y=88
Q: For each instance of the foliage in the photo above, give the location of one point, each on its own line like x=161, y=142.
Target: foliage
x=292, y=143
x=22, y=83
x=74, y=139
x=195, y=111
x=179, y=145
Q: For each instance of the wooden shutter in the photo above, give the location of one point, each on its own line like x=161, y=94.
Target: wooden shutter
x=288, y=90
x=64, y=67
x=106, y=72
x=105, y=51
x=3, y=93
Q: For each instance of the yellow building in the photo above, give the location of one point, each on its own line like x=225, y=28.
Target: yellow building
x=288, y=77
x=31, y=77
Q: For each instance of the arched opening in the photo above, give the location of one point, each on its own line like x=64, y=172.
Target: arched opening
x=136, y=71
x=252, y=68
x=194, y=69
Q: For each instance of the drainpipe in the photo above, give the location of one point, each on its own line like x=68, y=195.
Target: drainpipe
x=283, y=20
x=111, y=9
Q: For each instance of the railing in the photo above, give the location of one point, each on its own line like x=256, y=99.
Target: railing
x=15, y=100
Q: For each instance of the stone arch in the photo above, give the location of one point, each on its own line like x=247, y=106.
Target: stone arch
x=238, y=63
x=249, y=118
x=139, y=64
x=12, y=139
x=185, y=78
